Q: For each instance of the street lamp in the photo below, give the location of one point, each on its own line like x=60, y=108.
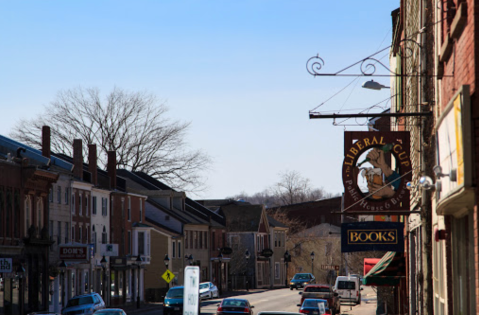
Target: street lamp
x=167, y=262
x=373, y=85
x=190, y=259
x=247, y=256
x=287, y=259
x=103, y=263
x=63, y=268
x=312, y=260
x=20, y=273
x=220, y=259
x=138, y=263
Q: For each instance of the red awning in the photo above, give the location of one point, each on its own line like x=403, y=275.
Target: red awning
x=369, y=263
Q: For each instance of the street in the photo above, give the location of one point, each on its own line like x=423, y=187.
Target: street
x=284, y=300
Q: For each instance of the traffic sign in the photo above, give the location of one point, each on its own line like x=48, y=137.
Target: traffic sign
x=329, y=267
x=168, y=276
x=191, y=291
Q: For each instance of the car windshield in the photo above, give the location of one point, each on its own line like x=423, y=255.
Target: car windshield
x=204, y=286
x=314, y=289
x=314, y=303
x=346, y=285
x=175, y=293
x=301, y=277
x=80, y=301
x=237, y=303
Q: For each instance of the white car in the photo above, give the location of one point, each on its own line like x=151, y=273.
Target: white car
x=208, y=290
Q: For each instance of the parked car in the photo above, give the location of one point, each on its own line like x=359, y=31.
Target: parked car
x=300, y=280
x=85, y=304
x=348, y=288
x=208, y=290
x=173, y=303
x=322, y=291
x=311, y=307
x=234, y=306
x=110, y=311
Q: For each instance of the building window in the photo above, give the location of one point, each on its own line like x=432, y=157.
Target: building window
x=73, y=233
x=59, y=194
x=141, y=210
x=141, y=243
x=51, y=229
x=40, y=214
x=104, y=206
x=206, y=240
x=93, y=201
x=213, y=239
x=28, y=217
x=93, y=238
x=276, y=270
x=67, y=232
x=148, y=243
x=129, y=242
x=179, y=249
x=73, y=203
x=80, y=234
x=129, y=209
x=186, y=239
x=258, y=243
x=191, y=240
x=59, y=233
x=196, y=239
x=80, y=210
x=67, y=195
x=173, y=246
x=87, y=206
x=123, y=208
x=275, y=239
x=201, y=239
x=260, y=269
x=104, y=236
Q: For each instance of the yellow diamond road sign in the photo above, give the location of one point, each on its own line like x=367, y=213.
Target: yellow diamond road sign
x=168, y=276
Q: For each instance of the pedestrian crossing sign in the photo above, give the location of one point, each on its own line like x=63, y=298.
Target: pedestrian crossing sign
x=168, y=276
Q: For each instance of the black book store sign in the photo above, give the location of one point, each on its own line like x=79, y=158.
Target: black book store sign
x=372, y=235
x=376, y=169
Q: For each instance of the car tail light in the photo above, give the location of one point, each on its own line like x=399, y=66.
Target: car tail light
x=246, y=310
x=303, y=311
x=220, y=309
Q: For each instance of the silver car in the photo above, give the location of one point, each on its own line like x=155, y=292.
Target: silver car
x=208, y=290
x=85, y=304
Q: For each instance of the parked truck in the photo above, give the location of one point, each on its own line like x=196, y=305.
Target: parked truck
x=322, y=291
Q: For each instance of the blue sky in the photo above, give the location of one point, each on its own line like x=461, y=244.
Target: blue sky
x=234, y=69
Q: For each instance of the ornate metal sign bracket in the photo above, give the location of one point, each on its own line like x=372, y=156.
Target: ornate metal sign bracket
x=369, y=65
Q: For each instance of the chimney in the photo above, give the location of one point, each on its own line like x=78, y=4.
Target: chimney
x=92, y=163
x=77, y=159
x=111, y=168
x=46, y=142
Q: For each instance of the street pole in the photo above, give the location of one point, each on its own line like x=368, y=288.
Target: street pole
x=103, y=263
x=220, y=259
x=167, y=262
x=63, y=267
x=312, y=261
x=138, y=262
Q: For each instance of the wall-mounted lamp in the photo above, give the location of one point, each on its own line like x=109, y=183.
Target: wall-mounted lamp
x=426, y=182
x=438, y=172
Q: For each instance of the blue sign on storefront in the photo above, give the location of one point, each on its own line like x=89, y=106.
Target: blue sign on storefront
x=371, y=235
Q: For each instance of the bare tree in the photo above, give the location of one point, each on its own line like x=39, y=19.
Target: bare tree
x=293, y=188
x=132, y=123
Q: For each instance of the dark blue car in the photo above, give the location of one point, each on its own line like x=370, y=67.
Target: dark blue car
x=300, y=280
x=173, y=303
x=312, y=307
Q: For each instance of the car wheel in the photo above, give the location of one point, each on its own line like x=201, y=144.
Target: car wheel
x=291, y=288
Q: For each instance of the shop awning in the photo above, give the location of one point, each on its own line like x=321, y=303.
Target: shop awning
x=369, y=263
x=388, y=271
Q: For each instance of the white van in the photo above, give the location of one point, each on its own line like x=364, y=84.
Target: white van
x=348, y=289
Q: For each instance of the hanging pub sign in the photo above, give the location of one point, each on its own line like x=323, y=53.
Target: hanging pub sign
x=371, y=235
x=376, y=168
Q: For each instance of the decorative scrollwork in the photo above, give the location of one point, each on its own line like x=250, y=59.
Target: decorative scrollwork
x=314, y=65
x=368, y=66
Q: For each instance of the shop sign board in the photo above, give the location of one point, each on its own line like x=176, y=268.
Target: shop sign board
x=75, y=252
x=5, y=265
x=372, y=236
x=376, y=169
